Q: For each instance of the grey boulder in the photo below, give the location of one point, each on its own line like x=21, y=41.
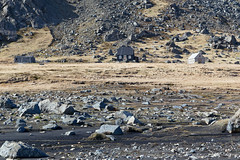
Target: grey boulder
x=69, y=120
x=7, y=103
x=99, y=106
x=125, y=115
x=233, y=125
x=110, y=129
x=48, y=106
x=20, y=150
x=66, y=109
x=55, y=107
x=31, y=108
x=134, y=121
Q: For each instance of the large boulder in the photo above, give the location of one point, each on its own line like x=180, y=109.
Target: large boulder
x=233, y=125
x=66, y=109
x=125, y=115
x=31, y=108
x=231, y=40
x=99, y=106
x=7, y=103
x=110, y=129
x=48, y=106
x=20, y=150
x=55, y=107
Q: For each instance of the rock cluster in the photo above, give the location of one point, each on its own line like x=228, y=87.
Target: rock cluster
x=31, y=13
x=108, y=115
x=223, y=42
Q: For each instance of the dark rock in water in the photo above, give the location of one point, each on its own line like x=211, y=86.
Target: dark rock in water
x=20, y=150
x=7, y=103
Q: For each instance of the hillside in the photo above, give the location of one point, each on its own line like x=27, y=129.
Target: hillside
x=90, y=28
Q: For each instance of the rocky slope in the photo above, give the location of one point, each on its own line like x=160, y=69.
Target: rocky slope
x=79, y=26
x=31, y=13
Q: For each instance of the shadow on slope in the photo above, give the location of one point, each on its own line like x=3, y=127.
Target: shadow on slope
x=31, y=13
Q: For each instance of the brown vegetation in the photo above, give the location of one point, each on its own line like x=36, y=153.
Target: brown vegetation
x=70, y=76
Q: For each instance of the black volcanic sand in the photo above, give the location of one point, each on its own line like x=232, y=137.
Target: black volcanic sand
x=179, y=139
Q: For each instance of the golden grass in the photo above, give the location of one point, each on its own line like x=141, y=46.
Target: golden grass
x=69, y=76
x=159, y=5
x=41, y=39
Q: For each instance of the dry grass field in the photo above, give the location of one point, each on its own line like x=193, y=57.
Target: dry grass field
x=40, y=39
x=35, y=77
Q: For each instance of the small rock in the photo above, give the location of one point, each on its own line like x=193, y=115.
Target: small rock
x=133, y=121
x=51, y=126
x=97, y=136
x=21, y=129
x=70, y=133
x=111, y=137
